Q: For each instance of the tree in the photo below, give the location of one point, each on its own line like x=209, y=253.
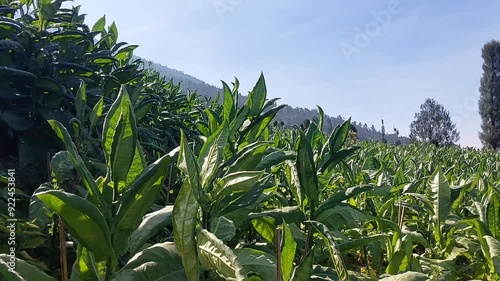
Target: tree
x=396, y=132
x=382, y=130
x=489, y=101
x=353, y=134
x=433, y=124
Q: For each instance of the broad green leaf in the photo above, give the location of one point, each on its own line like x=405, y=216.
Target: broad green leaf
x=82, y=219
x=441, y=198
x=81, y=101
x=270, y=103
x=136, y=200
x=357, y=243
x=188, y=164
x=18, y=120
x=47, y=10
x=257, y=97
x=96, y=113
x=119, y=137
x=39, y=213
x=481, y=228
x=229, y=109
x=342, y=215
x=236, y=182
x=327, y=273
x=99, y=24
x=314, y=136
x=223, y=228
x=337, y=157
x=274, y=158
x=87, y=178
x=407, y=276
x=151, y=224
x=335, y=255
x=321, y=117
x=446, y=269
x=184, y=218
x=293, y=180
x=258, y=126
x=249, y=157
x=342, y=195
x=492, y=253
x=211, y=154
x=86, y=268
x=265, y=226
x=113, y=32
x=236, y=124
x=124, y=53
x=214, y=120
x=288, y=248
x=493, y=213
x=138, y=164
x=257, y=262
x=160, y=262
x=440, y=194
x=398, y=263
x=142, y=110
x=14, y=72
x=237, y=207
x=61, y=167
x=290, y=214
x=417, y=237
x=14, y=269
x=304, y=269
x=214, y=255
x=339, y=136
x=307, y=173
x=446, y=275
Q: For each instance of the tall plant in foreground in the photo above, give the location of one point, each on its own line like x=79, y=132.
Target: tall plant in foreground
x=102, y=219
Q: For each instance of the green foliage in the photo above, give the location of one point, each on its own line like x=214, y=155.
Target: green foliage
x=489, y=104
x=103, y=220
x=214, y=255
x=252, y=201
x=163, y=263
x=433, y=124
x=23, y=270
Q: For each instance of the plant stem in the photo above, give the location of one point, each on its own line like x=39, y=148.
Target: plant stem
x=115, y=197
x=62, y=233
x=277, y=236
x=365, y=257
x=109, y=270
x=308, y=240
x=169, y=186
x=62, y=248
x=204, y=220
x=49, y=171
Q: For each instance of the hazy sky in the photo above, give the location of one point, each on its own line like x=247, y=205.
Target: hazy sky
x=370, y=60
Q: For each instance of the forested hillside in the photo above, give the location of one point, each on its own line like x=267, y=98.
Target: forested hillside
x=289, y=115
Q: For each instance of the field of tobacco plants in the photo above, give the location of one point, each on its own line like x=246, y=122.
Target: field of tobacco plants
x=143, y=182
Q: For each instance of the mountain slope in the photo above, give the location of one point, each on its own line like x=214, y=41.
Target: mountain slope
x=290, y=116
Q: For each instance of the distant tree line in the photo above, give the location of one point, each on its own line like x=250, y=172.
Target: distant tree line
x=290, y=116
x=433, y=123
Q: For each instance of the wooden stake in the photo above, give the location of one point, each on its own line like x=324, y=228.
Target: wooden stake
x=62, y=235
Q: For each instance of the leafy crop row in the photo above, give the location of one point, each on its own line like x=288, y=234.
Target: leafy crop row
x=151, y=184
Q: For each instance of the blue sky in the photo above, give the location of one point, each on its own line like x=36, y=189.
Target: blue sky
x=369, y=60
